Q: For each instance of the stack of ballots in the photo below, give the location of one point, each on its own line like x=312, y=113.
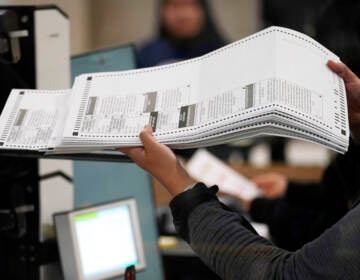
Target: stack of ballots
x=274, y=82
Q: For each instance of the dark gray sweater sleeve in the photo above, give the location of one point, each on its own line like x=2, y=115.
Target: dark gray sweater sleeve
x=227, y=244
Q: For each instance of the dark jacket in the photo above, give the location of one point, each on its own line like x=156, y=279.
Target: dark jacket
x=226, y=242
x=308, y=209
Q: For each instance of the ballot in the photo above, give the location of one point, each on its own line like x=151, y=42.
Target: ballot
x=207, y=168
x=274, y=82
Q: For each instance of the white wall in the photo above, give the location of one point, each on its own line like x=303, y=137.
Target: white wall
x=237, y=18
x=118, y=22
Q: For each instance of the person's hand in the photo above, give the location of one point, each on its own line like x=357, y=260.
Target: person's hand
x=273, y=185
x=352, y=84
x=160, y=162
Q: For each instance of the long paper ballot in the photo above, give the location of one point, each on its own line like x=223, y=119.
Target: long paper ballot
x=274, y=82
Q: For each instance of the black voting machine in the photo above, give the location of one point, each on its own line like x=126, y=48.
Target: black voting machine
x=21, y=252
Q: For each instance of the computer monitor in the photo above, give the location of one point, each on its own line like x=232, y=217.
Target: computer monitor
x=110, y=59
x=100, y=242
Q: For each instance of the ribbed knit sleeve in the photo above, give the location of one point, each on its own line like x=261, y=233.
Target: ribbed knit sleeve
x=226, y=243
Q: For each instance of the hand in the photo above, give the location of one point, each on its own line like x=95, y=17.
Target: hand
x=273, y=185
x=352, y=84
x=160, y=162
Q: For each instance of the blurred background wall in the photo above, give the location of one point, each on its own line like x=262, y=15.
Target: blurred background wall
x=102, y=23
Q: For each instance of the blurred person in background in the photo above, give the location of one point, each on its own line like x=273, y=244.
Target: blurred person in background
x=186, y=30
x=297, y=213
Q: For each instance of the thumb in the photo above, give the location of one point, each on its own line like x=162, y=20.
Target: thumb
x=147, y=138
x=342, y=70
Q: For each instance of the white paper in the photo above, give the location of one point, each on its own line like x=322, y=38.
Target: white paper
x=205, y=167
x=274, y=82
x=30, y=118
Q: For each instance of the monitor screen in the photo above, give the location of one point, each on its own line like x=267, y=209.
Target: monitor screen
x=110, y=59
x=101, y=241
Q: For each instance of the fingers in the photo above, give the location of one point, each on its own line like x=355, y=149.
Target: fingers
x=148, y=128
x=135, y=153
x=264, y=179
x=342, y=70
x=139, y=154
x=147, y=138
x=258, y=182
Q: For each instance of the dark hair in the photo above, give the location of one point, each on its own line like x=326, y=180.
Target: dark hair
x=207, y=40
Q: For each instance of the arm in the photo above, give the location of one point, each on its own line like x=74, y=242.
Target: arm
x=280, y=198
x=224, y=240
x=159, y=161
x=348, y=166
